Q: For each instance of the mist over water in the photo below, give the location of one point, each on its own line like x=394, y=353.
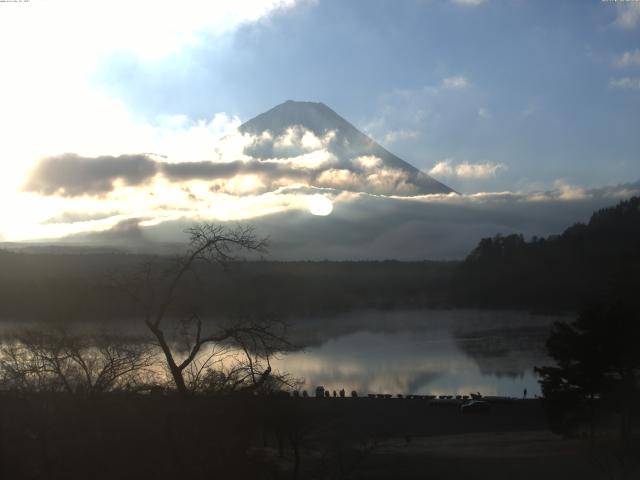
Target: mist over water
x=421, y=352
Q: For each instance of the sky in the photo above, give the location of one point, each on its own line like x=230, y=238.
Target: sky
x=529, y=98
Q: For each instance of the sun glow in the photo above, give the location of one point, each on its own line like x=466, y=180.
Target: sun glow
x=320, y=205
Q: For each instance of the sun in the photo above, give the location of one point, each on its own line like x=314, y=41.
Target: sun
x=320, y=205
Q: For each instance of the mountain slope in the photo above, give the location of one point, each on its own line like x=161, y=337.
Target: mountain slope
x=347, y=142
x=599, y=259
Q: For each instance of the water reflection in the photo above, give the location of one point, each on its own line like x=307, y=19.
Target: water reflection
x=410, y=352
x=424, y=352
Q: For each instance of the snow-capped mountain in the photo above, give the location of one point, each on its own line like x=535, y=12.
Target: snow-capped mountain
x=353, y=161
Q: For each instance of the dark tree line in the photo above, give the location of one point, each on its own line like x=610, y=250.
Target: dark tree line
x=600, y=259
x=597, y=367
x=71, y=287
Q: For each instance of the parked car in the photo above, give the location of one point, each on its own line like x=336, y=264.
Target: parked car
x=475, y=406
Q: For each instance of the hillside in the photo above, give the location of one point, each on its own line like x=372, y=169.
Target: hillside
x=72, y=287
x=587, y=261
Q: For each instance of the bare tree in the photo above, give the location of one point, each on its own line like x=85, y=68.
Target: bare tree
x=205, y=345
x=56, y=360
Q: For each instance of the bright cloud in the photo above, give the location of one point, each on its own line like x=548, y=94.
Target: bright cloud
x=465, y=170
x=51, y=105
x=478, y=170
x=628, y=59
x=570, y=192
x=371, y=226
x=293, y=142
x=47, y=90
x=443, y=168
x=628, y=14
x=394, y=136
x=629, y=83
x=484, y=113
x=160, y=188
x=468, y=3
x=457, y=82
x=367, y=162
x=380, y=130
x=146, y=28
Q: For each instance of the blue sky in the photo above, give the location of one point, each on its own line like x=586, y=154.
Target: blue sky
x=539, y=94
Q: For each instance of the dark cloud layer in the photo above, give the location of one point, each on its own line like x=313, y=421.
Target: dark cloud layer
x=225, y=170
x=370, y=227
x=295, y=142
x=74, y=217
x=373, y=227
x=72, y=175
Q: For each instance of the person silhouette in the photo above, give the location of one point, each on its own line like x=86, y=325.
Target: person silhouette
x=524, y=394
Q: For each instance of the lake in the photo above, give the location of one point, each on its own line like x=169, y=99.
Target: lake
x=421, y=352
x=425, y=351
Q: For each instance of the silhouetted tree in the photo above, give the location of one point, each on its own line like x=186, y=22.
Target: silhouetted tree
x=597, y=362
x=55, y=360
x=198, y=362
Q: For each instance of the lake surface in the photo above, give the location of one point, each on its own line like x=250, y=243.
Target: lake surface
x=421, y=352
x=438, y=352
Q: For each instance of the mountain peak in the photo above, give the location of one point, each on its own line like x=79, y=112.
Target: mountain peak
x=347, y=144
x=314, y=116
x=299, y=102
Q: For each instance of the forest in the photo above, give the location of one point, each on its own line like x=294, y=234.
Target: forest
x=71, y=287
x=596, y=260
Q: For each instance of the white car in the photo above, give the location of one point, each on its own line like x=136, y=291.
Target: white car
x=475, y=406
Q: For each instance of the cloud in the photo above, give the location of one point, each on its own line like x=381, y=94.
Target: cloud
x=443, y=168
x=628, y=83
x=465, y=170
x=341, y=178
x=478, y=170
x=394, y=136
x=181, y=138
x=124, y=234
x=627, y=59
x=391, y=180
x=240, y=177
x=572, y=193
x=94, y=126
x=484, y=113
x=563, y=191
x=72, y=175
x=457, y=82
x=365, y=226
x=51, y=91
x=468, y=3
x=382, y=132
x=76, y=217
x=146, y=28
x=224, y=170
x=369, y=176
x=627, y=15
x=295, y=141
x=367, y=162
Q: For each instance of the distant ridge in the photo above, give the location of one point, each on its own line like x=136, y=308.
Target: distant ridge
x=349, y=142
